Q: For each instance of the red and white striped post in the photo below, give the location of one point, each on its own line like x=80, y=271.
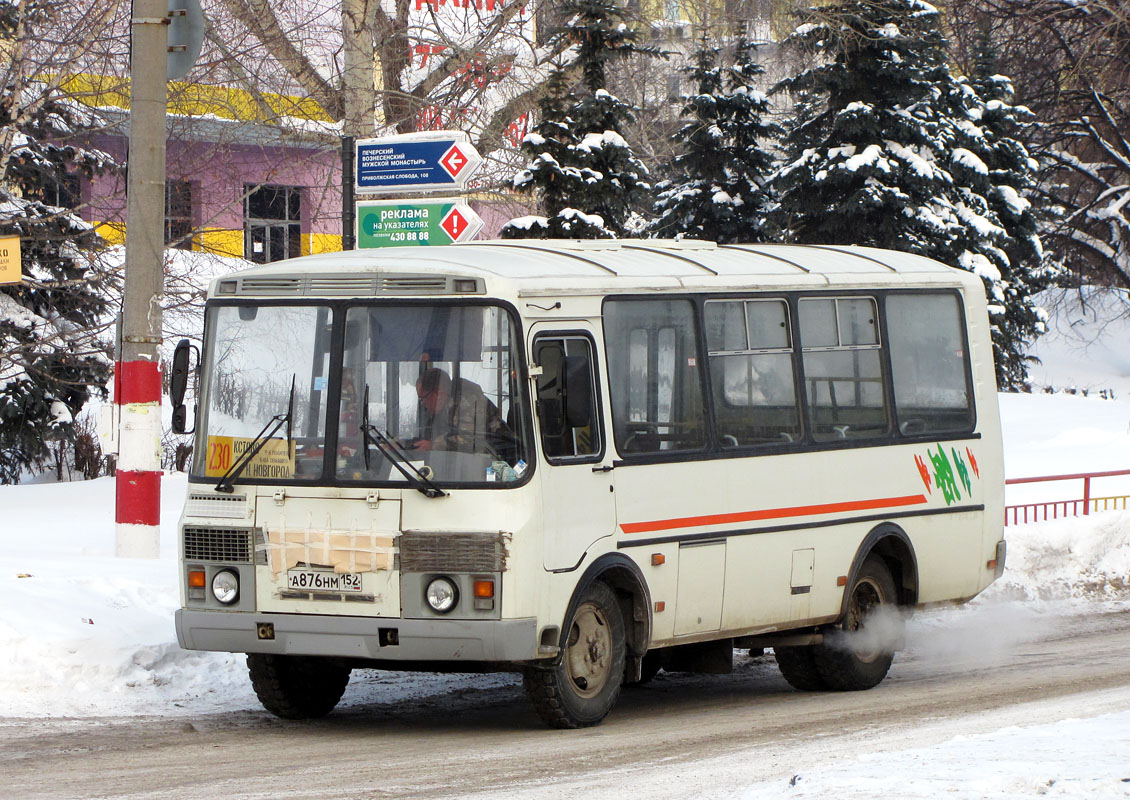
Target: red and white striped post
x=137, y=395
x=137, y=385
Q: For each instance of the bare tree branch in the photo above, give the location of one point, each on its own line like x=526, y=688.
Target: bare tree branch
x=259, y=18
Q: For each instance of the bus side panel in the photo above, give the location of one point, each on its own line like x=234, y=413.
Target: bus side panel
x=991, y=452
x=772, y=510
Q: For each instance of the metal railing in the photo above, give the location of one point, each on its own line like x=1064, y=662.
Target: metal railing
x=1023, y=513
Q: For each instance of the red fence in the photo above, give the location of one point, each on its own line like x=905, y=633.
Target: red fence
x=1054, y=509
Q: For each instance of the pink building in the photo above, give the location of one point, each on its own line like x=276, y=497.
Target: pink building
x=234, y=188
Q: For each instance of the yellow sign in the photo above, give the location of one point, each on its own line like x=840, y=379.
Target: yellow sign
x=11, y=270
x=274, y=461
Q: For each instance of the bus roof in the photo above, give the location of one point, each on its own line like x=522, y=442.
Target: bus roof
x=538, y=267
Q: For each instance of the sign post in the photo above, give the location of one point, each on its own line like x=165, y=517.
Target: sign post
x=401, y=223
x=11, y=267
x=415, y=162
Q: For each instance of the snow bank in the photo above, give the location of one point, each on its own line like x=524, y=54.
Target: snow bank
x=1078, y=558
x=1059, y=434
x=92, y=634
x=1086, y=344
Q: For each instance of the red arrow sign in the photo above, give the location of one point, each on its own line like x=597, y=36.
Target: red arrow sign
x=454, y=161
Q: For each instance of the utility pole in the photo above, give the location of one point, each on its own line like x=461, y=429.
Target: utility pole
x=137, y=373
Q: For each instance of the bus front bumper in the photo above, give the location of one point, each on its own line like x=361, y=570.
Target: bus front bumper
x=358, y=637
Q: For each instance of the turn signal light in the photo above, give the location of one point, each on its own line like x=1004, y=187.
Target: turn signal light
x=196, y=578
x=657, y=559
x=484, y=589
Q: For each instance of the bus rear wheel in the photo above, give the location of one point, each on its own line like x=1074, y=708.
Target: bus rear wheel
x=582, y=686
x=297, y=687
x=798, y=665
x=859, y=655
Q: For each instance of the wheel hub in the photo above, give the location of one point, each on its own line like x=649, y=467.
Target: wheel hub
x=865, y=601
x=588, y=651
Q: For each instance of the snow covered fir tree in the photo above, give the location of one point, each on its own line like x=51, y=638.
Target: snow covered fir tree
x=584, y=173
x=894, y=155
x=1000, y=170
x=51, y=359
x=718, y=190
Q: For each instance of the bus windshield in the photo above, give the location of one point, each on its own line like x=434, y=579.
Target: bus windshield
x=419, y=394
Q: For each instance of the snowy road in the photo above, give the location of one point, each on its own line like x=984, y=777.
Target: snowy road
x=966, y=672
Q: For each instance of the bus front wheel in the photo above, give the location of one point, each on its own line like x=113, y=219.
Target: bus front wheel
x=581, y=688
x=297, y=687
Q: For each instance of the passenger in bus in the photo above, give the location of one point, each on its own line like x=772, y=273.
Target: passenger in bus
x=458, y=416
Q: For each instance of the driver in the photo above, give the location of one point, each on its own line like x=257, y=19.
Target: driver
x=458, y=416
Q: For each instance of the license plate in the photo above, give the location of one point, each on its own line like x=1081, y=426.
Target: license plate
x=311, y=580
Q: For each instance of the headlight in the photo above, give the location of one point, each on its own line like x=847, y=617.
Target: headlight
x=441, y=595
x=225, y=586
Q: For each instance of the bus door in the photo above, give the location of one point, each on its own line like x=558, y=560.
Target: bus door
x=665, y=492
x=578, y=505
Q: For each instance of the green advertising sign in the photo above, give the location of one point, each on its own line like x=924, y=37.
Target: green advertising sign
x=396, y=223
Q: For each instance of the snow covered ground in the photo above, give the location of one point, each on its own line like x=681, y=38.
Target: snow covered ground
x=84, y=634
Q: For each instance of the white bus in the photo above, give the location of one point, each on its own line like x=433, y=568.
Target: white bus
x=586, y=461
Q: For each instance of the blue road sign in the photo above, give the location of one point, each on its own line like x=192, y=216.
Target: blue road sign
x=415, y=163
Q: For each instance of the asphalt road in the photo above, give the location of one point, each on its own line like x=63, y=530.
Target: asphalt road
x=678, y=736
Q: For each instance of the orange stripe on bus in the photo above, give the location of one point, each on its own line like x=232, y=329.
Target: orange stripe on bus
x=771, y=513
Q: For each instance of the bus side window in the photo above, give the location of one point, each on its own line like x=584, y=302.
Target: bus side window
x=654, y=380
x=751, y=369
x=843, y=368
x=566, y=398
x=929, y=363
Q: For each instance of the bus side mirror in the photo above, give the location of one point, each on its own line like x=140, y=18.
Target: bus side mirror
x=178, y=385
x=576, y=391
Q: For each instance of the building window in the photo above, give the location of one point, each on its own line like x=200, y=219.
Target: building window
x=62, y=191
x=178, y=214
x=272, y=223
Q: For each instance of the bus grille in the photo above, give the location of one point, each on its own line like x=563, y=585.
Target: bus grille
x=413, y=283
x=343, y=285
x=453, y=552
x=347, y=284
x=272, y=285
x=215, y=504
x=233, y=545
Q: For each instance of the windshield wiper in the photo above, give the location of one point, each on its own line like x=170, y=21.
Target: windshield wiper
x=392, y=451
x=257, y=444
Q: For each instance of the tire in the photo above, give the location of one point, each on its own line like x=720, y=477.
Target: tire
x=798, y=665
x=297, y=687
x=845, y=662
x=582, y=686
